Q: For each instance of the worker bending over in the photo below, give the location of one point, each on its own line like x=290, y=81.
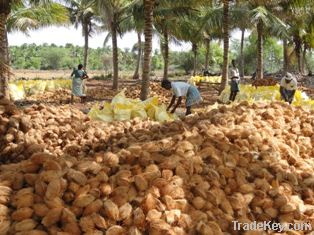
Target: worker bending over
x=288, y=87
x=182, y=89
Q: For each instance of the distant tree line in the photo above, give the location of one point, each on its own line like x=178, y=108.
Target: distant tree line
x=53, y=57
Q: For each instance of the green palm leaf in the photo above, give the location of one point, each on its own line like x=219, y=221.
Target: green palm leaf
x=24, y=18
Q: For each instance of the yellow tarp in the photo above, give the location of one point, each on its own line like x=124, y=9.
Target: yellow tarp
x=196, y=79
x=33, y=87
x=265, y=93
x=105, y=114
x=16, y=92
x=122, y=108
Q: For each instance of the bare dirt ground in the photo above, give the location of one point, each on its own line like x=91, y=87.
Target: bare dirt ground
x=55, y=74
x=50, y=74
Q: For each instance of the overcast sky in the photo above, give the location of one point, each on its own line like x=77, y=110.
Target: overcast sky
x=63, y=35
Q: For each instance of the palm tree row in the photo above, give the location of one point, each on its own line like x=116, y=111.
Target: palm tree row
x=195, y=21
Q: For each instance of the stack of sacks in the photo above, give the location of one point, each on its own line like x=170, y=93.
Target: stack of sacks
x=20, y=89
x=194, y=80
x=122, y=109
x=266, y=93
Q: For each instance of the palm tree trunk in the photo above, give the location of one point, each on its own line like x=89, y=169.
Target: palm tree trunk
x=307, y=64
x=142, y=60
x=298, y=54
x=194, y=49
x=7, y=52
x=166, y=53
x=115, y=84
x=85, y=44
x=4, y=63
x=298, y=49
x=285, y=56
x=139, y=55
x=241, y=54
x=207, y=40
x=224, y=80
x=304, y=59
x=148, y=32
x=260, y=53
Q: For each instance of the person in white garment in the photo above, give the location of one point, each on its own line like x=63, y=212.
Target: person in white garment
x=288, y=87
x=234, y=77
x=179, y=90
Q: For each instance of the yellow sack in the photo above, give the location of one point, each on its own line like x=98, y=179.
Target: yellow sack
x=50, y=86
x=150, y=102
x=63, y=84
x=139, y=111
x=105, y=115
x=122, y=112
x=16, y=92
x=309, y=104
x=173, y=116
x=161, y=114
x=92, y=114
x=38, y=87
x=120, y=98
x=151, y=112
x=27, y=85
x=298, y=96
x=41, y=87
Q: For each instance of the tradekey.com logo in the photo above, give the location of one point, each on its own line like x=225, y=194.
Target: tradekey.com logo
x=271, y=226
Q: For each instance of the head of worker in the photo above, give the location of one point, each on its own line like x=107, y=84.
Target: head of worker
x=166, y=84
x=80, y=67
x=288, y=77
x=233, y=63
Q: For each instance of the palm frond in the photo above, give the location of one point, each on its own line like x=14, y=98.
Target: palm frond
x=33, y=17
x=107, y=38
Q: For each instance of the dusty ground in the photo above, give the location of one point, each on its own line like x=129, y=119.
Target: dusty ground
x=33, y=74
x=53, y=74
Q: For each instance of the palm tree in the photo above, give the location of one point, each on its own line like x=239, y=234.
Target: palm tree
x=83, y=13
x=300, y=19
x=224, y=79
x=212, y=28
x=113, y=13
x=165, y=28
x=19, y=15
x=138, y=25
x=5, y=9
x=138, y=48
x=239, y=17
x=148, y=33
x=196, y=27
x=263, y=15
x=167, y=15
x=308, y=40
x=190, y=31
x=149, y=6
x=132, y=22
x=207, y=41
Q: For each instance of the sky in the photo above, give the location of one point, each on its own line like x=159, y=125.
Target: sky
x=62, y=35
